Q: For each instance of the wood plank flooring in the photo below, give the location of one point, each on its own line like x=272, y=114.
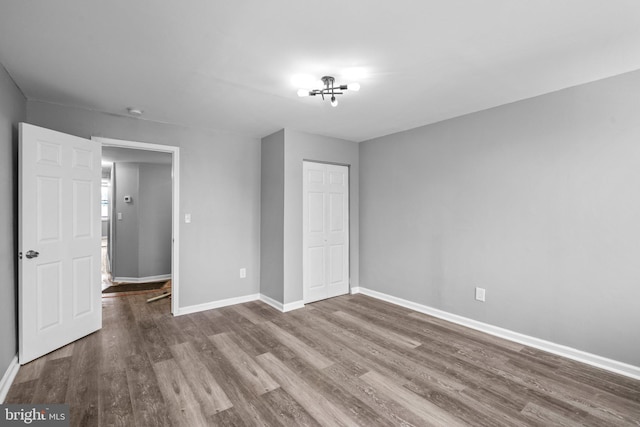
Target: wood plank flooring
x=347, y=361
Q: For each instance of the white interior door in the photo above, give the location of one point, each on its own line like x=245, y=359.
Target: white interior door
x=326, y=231
x=59, y=240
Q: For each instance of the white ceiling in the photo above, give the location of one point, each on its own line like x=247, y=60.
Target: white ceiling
x=228, y=64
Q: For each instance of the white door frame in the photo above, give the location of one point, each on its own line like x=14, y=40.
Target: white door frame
x=175, y=204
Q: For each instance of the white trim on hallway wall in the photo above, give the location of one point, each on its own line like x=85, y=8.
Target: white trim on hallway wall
x=561, y=350
x=8, y=377
x=279, y=306
x=148, y=279
x=216, y=304
x=239, y=300
x=175, y=212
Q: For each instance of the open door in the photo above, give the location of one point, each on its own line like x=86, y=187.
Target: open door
x=59, y=240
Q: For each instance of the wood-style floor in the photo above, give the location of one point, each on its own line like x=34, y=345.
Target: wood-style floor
x=350, y=360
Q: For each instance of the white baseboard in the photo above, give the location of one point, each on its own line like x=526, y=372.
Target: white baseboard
x=273, y=303
x=8, y=377
x=293, y=306
x=239, y=300
x=561, y=350
x=148, y=279
x=355, y=290
x=216, y=304
x=279, y=306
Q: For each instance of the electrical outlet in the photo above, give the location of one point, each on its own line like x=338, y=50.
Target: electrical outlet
x=243, y=273
x=480, y=294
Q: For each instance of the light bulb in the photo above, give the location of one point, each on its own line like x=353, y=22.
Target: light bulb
x=353, y=86
x=303, y=92
x=334, y=101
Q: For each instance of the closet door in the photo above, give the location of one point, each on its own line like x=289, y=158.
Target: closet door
x=326, y=231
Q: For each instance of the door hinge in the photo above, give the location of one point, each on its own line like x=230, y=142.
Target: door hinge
x=19, y=255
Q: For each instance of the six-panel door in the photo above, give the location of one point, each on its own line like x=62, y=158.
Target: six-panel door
x=326, y=231
x=59, y=236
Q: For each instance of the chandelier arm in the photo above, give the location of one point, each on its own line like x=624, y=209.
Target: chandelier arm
x=328, y=91
x=315, y=92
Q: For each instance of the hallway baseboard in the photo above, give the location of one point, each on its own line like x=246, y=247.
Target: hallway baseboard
x=279, y=306
x=8, y=377
x=148, y=279
x=239, y=300
x=216, y=304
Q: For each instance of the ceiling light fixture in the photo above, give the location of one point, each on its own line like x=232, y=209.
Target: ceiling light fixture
x=329, y=89
x=134, y=111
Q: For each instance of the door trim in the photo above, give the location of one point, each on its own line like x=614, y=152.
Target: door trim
x=175, y=204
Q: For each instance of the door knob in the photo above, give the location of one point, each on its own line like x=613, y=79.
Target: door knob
x=32, y=254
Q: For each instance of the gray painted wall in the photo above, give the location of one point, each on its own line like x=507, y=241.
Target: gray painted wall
x=154, y=210
x=142, y=238
x=536, y=201
x=220, y=187
x=301, y=146
x=272, y=217
x=12, y=111
x=125, y=260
